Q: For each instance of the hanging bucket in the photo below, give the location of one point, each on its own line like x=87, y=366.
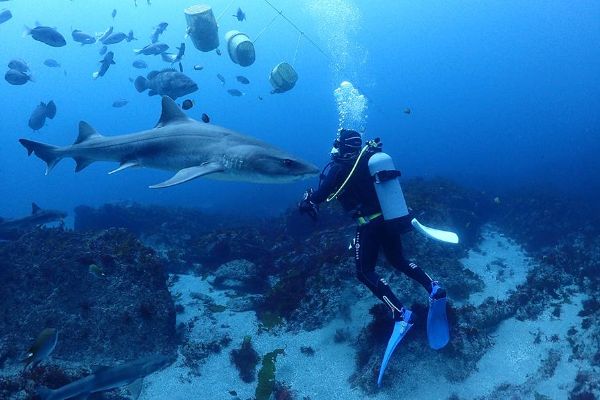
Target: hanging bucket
x=202, y=27
x=240, y=48
x=283, y=77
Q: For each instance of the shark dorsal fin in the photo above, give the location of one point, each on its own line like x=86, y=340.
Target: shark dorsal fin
x=34, y=208
x=171, y=113
x=86, y=132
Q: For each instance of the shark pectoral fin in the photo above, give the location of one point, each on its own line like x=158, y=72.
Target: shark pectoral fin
x=124, y=165
x=187, y=174
x=135, y=388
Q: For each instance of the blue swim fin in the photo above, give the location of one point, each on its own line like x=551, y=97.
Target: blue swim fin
x=438, y=333
x=400, y=330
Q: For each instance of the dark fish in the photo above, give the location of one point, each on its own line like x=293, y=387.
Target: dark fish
x=180, y=67
x=19, y=65
x=114, y=13
x=240, y=15
x=260, y=97
x=166, y=82
x=47, y=35
x=82, y=37
x=120, y=103
x=153, y=49
x=102, y=36
x=205, y=118
x=233, y=392
x=187, y=104
x=130, y=36
x=115, y=38
x=140, y=64
x=221, y=78
x=5, y=15
x=242, y=79
x=235, y=92
x=40, y=113
x=51, y=63
x=103, y=50
x=106, y=62
x=46, y=340
x=407, y=110
x=15, y=77
x=198, y=67
x=158, y=30
x=218, y=51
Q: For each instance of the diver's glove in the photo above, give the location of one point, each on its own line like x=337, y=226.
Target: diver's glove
x=308, y=206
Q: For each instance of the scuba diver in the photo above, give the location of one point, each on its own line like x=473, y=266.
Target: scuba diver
x=349, y=179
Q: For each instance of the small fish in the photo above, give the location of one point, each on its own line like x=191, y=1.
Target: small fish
x=205, y=118
x=15, y=77
x=198, y=67
x=260, y=98
x=152, y=49
x=120, y=103
x=140, y=64
x=242, y=79
x=407, y=110
x=96, y=270
x=42, y=348
x=180, y=67
x=107, y=61
x=187, y=104
x=103, y=35
x=38, y=117
x=5, y=15
x=235, y=92
x=114, y=13
x=19, y=65
x=115, y=38
x=158, y=30
x=240, y=15
x=233, y=392
x=52, y=63
x=103, y=50
x=218, y=51
x=82, y=37
x=221, y=78
x=47, y=35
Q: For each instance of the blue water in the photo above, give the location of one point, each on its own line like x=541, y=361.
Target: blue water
x=503, y=94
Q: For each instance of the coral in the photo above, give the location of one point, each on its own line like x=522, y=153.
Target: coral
x=245, y=359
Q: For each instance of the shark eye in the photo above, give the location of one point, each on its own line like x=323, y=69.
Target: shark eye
x=287, y=162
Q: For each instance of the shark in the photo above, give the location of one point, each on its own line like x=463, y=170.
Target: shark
x=107, y=378
x=181, y=144
x=13, y=228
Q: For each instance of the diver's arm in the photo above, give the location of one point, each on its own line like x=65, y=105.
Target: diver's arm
x=328, y=185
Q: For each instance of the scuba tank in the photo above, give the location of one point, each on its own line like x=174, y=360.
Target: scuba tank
x=387, y=186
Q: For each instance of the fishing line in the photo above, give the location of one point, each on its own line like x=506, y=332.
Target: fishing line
x=265, y=28
x=297, y=47
x=225, y=10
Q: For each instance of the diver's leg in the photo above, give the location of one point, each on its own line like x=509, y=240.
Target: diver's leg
x=392, y=248
x=367, y=244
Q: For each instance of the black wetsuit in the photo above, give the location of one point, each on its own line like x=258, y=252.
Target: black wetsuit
x=359, y=198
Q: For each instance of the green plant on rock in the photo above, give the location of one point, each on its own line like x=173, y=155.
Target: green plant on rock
x=266, y=375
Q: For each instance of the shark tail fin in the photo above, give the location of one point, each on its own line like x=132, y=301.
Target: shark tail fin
x=46, y=152
x=44, y=393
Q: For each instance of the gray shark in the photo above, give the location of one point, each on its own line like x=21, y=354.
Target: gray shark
x=12, y=229
x=178, y=143
x=106, y=378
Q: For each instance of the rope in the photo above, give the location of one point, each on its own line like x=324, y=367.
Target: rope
x=299, y=31
x=297, y=47
x=225, y=10
x=265, y=28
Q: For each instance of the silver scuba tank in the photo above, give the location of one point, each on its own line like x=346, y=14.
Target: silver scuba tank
x=387, y=186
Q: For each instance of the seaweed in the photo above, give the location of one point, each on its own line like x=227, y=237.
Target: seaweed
x=266, y=375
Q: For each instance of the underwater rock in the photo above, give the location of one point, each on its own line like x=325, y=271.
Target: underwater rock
x=238, y=275
x=245, y=360
x=121, y=315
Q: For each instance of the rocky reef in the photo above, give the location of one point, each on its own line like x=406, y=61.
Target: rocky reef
x=105, y=292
